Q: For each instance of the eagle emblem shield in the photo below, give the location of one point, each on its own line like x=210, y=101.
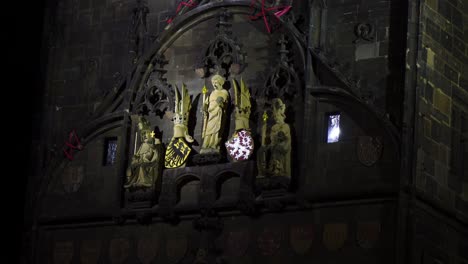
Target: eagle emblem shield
x=301, y=237
x=369, y=149
x=177, y=153
x=335, y=235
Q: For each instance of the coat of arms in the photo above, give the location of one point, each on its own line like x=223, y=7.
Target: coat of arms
x=147, y=249
x=301, y=237
x=240, y=147
x=369, y=149
x=176, y=153
x=335, y=235
x=237, y=242
x=63, y=252
x=119, y=250
x=90, y=251
x=176, y=247
x=368, y=234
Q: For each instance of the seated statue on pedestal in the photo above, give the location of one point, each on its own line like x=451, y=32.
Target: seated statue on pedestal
x=144, y=167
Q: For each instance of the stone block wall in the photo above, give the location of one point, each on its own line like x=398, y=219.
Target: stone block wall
x=442, y=98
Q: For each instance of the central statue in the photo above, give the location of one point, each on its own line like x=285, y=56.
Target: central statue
x=214, y=115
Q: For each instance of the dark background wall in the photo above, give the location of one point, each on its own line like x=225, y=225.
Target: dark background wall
x=79, y=49
x=23, y=80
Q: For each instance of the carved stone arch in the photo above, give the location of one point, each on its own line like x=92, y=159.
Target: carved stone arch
x=221, y=178
x=183, y=23
x=182, y=181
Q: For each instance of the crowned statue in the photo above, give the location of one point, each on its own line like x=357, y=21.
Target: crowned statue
x=144, y=168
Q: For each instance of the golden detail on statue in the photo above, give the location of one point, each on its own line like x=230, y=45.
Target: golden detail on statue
x=144, y=167
x=214, y=115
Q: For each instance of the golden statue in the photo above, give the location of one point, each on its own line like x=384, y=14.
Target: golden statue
x=144, y=168
x=178, y=150
x=274, y=158
x=242, y=103
x=214, y=112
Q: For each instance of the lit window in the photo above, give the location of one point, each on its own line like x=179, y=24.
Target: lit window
x=333, y=134
x=111, y=151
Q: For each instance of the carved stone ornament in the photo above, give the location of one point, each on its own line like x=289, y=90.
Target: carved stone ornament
x=148, y=249
x=90, y=251
x=364, y=32
x=237, y=242
x=335, y=235
x=301, y=237
x=63, y=252
x=368, y=234
x=223, y=54
x=119, y=250
x=369, y=149
x=176, y=247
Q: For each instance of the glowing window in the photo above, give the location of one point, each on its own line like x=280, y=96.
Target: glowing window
x=333, y=134
x=111, y=151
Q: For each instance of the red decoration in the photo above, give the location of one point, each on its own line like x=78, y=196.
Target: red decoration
x=73, y=143
x=190, y=3
x=278, y=11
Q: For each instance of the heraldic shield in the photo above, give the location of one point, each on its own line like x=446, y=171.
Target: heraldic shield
x=369, y=149
x=176, y=247
x=301, y=237
x=368, y=234
x=90, y=251
x=237, y=242
x=335, y=235
x=147, y=250
x=269, y=241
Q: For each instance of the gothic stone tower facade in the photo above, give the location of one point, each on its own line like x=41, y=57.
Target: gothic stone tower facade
x=238, y=131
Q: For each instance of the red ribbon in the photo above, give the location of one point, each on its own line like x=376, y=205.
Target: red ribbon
x=190, y=3
x=72, y=144
x=278, y=11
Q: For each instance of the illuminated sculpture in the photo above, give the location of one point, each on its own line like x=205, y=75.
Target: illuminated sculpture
x=274, y=158
x=178, y=149
x=144, y=168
